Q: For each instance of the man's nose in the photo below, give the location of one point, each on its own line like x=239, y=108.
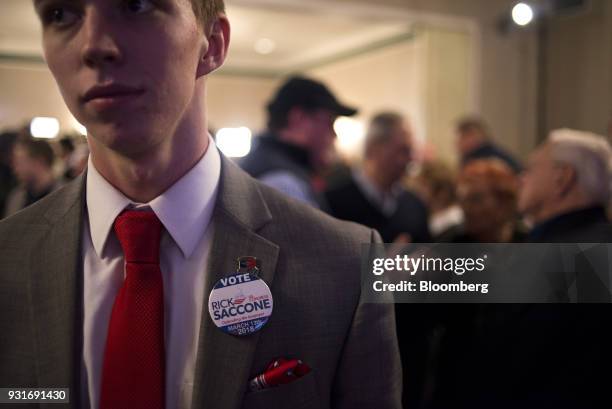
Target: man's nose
x=100, y=45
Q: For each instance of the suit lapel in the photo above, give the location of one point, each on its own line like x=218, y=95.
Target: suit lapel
x=56, y=294
x=224, y=361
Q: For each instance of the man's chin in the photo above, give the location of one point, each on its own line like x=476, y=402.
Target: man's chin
x=121, y=140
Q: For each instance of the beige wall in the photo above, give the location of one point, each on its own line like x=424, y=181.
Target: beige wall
x=381, y=79
x=579, y=69
x=505, y=65
x=447, y=88
x=29, y=91
x=384, y=79
x=427, y=79
x=239, y=101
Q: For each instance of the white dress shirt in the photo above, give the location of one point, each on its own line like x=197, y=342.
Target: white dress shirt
x=185, y=210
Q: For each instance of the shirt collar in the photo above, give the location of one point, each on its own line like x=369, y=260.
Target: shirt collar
x=185, y=209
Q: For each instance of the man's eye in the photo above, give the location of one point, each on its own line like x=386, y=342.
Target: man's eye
x=138, y=6
x=59, y=17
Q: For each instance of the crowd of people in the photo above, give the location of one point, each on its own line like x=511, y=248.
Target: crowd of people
x=561, y=194
x=31, y=168
x=490, y=198
x=458, y=356
x=105, y=284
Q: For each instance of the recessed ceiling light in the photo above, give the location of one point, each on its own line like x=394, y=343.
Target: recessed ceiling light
x=522, y=14
x=44, y=127
x=234, y=142
x=265, y=46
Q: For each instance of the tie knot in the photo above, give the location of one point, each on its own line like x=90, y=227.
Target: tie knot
x=139, y=233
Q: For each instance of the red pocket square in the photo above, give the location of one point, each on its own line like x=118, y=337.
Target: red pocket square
x=279, y=372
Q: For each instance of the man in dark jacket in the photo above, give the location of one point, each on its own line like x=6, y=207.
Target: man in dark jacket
x=566, y=188
x=373, y=195
x=535, y=356
x=557, y=355
x=300, y=134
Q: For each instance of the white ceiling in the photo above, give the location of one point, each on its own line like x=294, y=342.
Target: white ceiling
x=304, y=37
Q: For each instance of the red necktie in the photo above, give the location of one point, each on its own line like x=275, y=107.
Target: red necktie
x=133, y=371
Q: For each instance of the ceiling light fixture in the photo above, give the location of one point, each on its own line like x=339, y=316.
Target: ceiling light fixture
x=265, y=46
x=522, y=14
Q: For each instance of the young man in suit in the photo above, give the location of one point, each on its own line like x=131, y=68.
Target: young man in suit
x=104, y=285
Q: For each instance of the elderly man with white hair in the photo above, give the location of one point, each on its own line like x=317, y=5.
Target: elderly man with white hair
x=566, y=188
x=554, y=355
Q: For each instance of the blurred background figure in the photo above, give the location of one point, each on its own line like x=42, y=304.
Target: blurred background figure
x=7, y=179
x=566, y=188
x=76, y=163
x=487, y=192
x=474, y=141
x=374, y=195
x=66, y=148
x=435, y=183
x=300, y=135
x=32, y=164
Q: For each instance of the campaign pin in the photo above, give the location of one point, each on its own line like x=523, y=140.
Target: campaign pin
x=241, y=303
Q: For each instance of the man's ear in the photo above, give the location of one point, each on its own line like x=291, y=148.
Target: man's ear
x=214, y=50
x=566, y=179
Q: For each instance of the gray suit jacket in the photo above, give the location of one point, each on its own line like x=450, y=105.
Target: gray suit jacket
x=309, y=260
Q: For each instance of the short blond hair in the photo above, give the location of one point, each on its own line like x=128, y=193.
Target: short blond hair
x=589, y=155
x=207, y=10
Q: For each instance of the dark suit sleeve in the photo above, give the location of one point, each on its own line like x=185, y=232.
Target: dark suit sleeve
x=369, y=373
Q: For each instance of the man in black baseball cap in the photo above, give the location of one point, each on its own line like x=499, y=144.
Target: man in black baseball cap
x=300, y=135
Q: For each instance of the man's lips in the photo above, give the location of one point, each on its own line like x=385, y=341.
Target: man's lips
x=110, y=92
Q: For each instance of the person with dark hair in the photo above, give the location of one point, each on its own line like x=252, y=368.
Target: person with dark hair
x=300, y=134
x=66, y=145
x=73, y=155
x=165, y=277
x=7, y=179
x=474, y=141
x=32, y=164
x=374, y=195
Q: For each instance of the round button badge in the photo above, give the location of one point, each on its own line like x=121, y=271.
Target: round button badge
x=240, y=304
